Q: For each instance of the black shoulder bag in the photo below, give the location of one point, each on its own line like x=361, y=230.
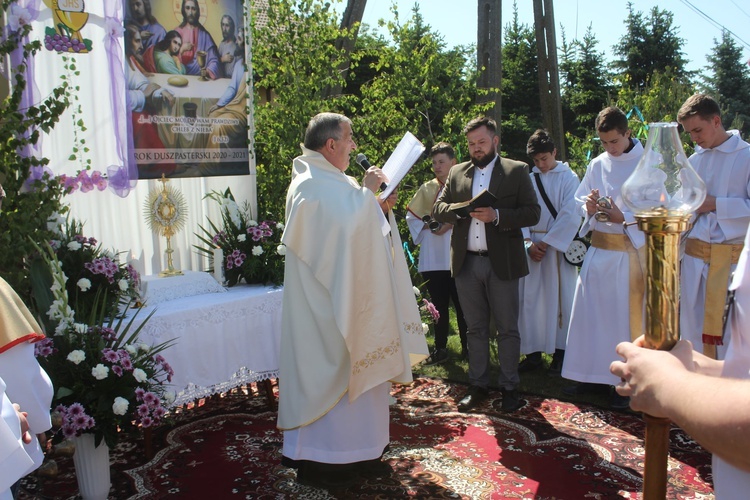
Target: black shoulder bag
x=577, y=250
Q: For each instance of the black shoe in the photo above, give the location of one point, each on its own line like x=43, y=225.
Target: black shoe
x=531, y=362
x=583, y=388
x=617, y=402
x=438, y=356
x=474, y=397
x=374, y=468
x=511, y=400
x=327, y=476
x=555, y=367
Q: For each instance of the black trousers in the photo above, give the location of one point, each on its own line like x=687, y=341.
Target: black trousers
x=442, y=288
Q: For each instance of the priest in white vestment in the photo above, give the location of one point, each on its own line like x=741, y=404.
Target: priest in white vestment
x=714, y=244
x=350, y=323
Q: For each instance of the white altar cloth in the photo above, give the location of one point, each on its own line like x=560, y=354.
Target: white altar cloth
x=155, y=289
x=223, y=340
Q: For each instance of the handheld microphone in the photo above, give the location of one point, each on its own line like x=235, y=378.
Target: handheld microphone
x=365, y=164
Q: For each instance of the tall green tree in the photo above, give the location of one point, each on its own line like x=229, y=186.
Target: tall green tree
x=522, y=112
x=728, y=79
x=651, y=43
x=586, y=84
x=295, y=57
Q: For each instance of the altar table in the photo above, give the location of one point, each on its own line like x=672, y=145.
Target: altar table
x=223, y=340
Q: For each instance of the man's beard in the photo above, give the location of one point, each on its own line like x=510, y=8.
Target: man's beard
x=483, y=160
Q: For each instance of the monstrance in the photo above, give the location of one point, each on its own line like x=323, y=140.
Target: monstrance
x=166, y=212
x=663, y=191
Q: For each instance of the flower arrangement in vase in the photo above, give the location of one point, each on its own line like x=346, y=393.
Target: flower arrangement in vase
x=106, y=380
x=250, y=249
x=91, y=271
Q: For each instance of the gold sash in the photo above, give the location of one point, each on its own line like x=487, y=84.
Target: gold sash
x=719, y=258
x=621, y=243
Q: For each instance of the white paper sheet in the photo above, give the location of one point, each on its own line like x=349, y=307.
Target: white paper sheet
x=407, y=152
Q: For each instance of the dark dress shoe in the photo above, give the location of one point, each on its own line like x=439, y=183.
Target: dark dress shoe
x=327, y=476
x=555, y=367
x=374, y=468
x=474, y=397
x=583, y=388
x=531, y=362
x=511, y=400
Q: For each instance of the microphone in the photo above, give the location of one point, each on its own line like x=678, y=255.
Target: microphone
x=363, y=162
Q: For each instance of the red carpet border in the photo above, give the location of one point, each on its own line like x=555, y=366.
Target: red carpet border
x=230, y=448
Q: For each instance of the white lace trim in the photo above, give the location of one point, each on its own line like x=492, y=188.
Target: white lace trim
x=242, y=377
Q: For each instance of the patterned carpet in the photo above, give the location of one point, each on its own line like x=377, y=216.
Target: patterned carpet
x=229, y=448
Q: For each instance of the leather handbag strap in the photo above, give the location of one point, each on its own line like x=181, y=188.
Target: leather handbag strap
x=544, y=195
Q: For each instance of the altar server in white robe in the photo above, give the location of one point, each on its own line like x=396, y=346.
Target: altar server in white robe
x=714, y=244
x=25, y=383
x=15, y=462
x=608, y=301
x=547, y=291
x=350, y=322
x=709, y=399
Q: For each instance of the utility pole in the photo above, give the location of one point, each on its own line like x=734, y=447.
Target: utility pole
x=355, y=9
x=489, y=53
x=549, y=75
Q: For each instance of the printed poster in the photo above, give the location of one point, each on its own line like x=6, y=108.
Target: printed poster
x=186, y=75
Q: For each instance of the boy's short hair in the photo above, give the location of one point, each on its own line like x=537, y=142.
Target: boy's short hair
x=539, y=142
x=481, y=122
x=611, y=118
x=702, y=105
x=443, y=148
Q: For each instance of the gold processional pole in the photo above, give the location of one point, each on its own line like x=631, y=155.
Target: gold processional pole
x=662, y=192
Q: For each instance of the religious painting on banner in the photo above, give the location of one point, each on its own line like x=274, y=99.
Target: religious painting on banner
x=186, y=76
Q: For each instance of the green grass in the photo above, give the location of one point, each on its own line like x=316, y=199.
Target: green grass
x=538, y=382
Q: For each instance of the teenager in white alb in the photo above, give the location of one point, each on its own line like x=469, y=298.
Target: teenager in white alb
x=714, y=244
x=608, y=301
x=547, y=291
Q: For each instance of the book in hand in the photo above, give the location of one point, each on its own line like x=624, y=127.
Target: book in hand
x=483, y=199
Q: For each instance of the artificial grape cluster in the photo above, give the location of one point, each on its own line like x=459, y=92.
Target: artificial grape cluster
x=62, y=43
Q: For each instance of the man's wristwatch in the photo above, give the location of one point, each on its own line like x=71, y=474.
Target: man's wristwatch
x=497, y=217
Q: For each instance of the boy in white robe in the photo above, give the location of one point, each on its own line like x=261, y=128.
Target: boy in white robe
x=434, y=240
x=714, y=244
x=608, y=301
x=707, y=398
x=547, y=291
x=350, y=322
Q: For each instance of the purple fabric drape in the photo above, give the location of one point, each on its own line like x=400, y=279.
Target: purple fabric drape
x=24, y=12
x=122, y=178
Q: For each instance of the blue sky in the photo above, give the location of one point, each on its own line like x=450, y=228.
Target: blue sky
x=456, y=20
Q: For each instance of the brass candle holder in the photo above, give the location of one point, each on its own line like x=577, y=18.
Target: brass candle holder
x=663, y=191
x=662, y=231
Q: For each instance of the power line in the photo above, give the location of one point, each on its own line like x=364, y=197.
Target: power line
x=716, y=24
x=740, y=8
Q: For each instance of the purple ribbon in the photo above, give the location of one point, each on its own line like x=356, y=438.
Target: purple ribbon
x=123, y=177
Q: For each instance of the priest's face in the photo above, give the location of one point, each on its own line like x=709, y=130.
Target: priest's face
x=341, y=149
x=482, y=146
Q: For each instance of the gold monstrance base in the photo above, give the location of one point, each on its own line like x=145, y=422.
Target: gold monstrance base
x=662, y=230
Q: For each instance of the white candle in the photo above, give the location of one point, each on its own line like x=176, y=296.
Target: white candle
x=219, y=265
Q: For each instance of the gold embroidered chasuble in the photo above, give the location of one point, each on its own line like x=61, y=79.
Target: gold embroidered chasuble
x=17, y=324
x=347, y=323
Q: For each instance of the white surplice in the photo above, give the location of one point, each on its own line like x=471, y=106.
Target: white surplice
x=601, y=317
x=547, y=291
x=726, y=171
x=349, y=318
x=434, y=249
x=729, y=481
x=15, y=462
